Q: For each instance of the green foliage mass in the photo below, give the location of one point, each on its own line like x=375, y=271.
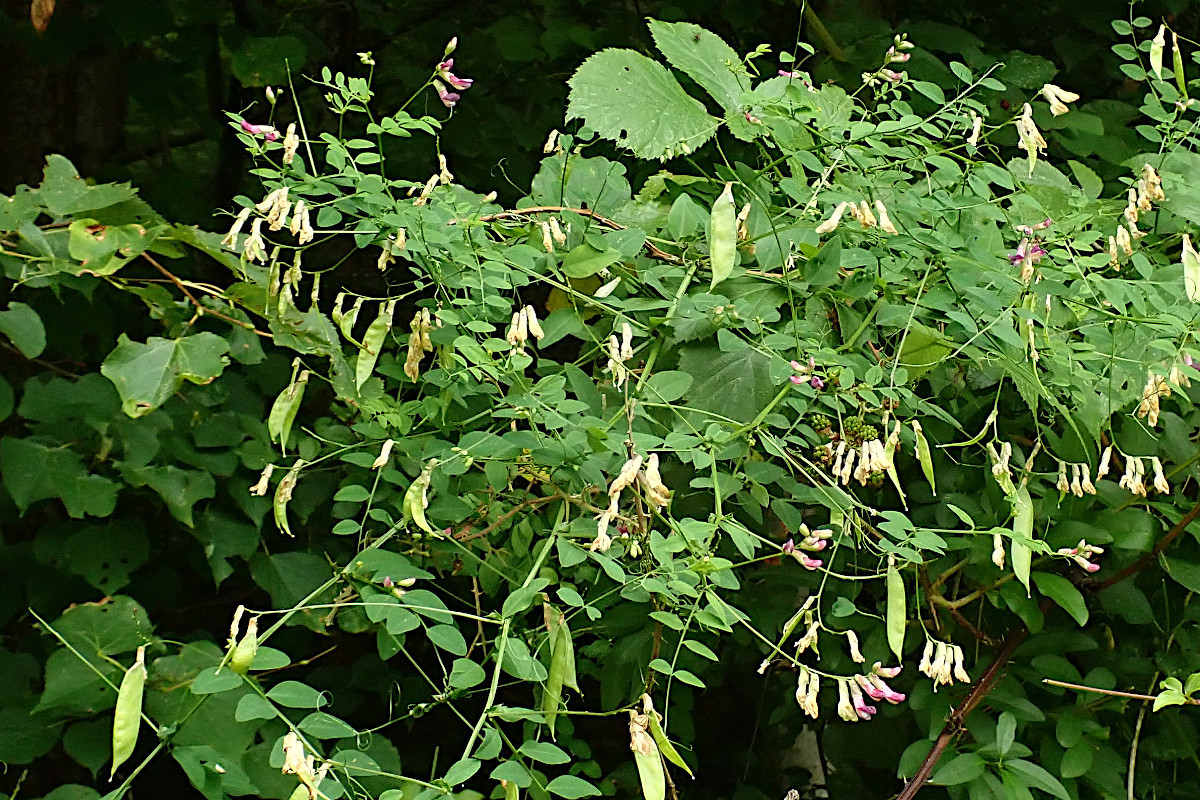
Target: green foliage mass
x=876, y=402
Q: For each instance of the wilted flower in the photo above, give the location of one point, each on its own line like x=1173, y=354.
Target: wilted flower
x=230, y=239
x=384, y=453
x=1133, y=479
x=255, y=249
x=808, y=684
x=656, y=492
x=852, y=642
x=809, y=639
x=885, y=222
x=1124, y=241
x=1028, y=254
x=419, y=342
x=976, y=127
x=1031, y=140
x=1105, y=458
x=845, y=708
x=1058, y=98
x=1157, y=45
x=552, y=145
x=943, y=663
x=836, y=217
x=1153, y=184
x=264, y=481
x=1160, y=480
x=291, y=143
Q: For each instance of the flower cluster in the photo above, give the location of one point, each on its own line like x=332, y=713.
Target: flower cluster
x=1134, y=478
x=852, y=706
x=1080, y=482
x=444, y=76
x=1153, y=392
x=524, y=324
x=804, y=374
x=643, y=471
x=812, y=541
x=861, y=212
x=418, y=342
x=871, y=458
x=1029, y=251
x=1139, y=199
x=1080, y=554
x=943, y=663
x=618, y=353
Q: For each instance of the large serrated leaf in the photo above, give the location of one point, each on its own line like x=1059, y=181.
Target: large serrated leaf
x=146, y=375
x=705, y=58
x=637, y=103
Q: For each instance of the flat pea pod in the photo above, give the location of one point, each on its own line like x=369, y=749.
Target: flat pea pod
x=372, y=343
x=925, y=457
x=511, y=790
x=896, y=608
x=664, y=744
x=1177, y=65
x=284, y=409
x=650, y=772
x=127, y=719
x=722, y=236
x=1022, y=555
x=346, y=323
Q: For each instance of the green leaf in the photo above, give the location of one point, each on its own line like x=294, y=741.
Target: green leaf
x=104, y=249
x=736, y=384
x=252, y=707
x=326, y=726
x=295, y=694
x=34, y=471
x=571, y=787
x=179, y=488
x=465, y=674
x=667, y=386
x=448, y=638
x=1037, y=777
x=635, y=102
x=146, y=375
x=1063, y=592
x=585, y=261
x=63, y=192
x=212, y=681
x=705, y=58
x=1191, y=270
x=23, y=327
x=545, y=752
x=461, y=771
x=922, y=350
x=577, y=182
x=265, y=60
x=960, y=769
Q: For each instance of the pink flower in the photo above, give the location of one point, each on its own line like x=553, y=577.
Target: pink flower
x=753, y=120
x=447, y=97
x=443, y=71
x=813, y=544
x=805, y=561
x=861, y=707
x=874, y=692
x=783, y=73
x=885, y=672
x=817, y=383
x=892, y=76
x=388, y=582
x=885, y=692
x=789, y=546
x=797, y=379
x=260, y=130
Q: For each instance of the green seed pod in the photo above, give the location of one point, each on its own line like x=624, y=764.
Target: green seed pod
x=247, y=648
x=896, y=608
x=1022, y=555
x=127, y=719
x=722, y=236
x=372, y=343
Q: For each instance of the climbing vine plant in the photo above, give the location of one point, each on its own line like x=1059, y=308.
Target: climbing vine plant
x=875, y=403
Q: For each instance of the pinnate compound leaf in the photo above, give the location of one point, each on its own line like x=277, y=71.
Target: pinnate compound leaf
x=146, y=375
x=637, y=103
x=705, y=58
